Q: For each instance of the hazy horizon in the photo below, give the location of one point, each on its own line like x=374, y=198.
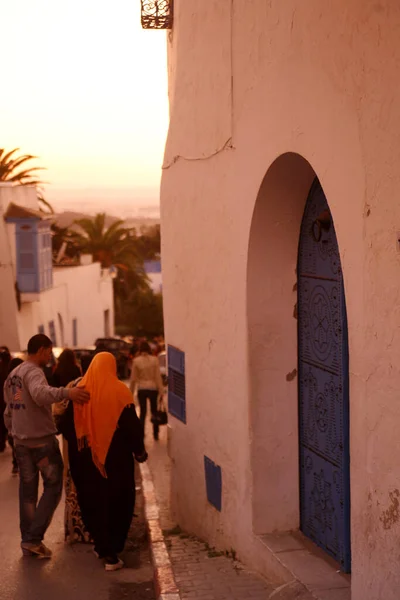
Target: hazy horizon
x=86, y=92
x=124, y=202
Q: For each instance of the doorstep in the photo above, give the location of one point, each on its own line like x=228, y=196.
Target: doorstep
x=309, y=565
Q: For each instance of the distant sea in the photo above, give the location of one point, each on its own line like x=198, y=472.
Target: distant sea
x=117, y=203
x=123, y=210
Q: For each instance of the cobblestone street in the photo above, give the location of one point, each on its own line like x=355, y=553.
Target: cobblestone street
x=201, y=572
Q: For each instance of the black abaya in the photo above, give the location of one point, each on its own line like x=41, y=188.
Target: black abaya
x=106, y=504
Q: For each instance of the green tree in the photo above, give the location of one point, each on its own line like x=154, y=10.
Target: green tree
x=64, y=237
x=142, y=315
x=116, y=246
x=13, y=168
x=113, y=245
x=149, y=243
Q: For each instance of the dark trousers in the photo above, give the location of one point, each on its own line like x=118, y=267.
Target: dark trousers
x=46, y=460
x=152, y=395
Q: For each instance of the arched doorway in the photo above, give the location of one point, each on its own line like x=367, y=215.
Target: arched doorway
x=323, y=383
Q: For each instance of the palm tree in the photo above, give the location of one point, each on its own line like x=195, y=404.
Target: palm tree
x=114, y=245
x=117, y=246
x=13, y=169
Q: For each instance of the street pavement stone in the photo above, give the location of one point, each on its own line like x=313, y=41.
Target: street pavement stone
x=201, y=573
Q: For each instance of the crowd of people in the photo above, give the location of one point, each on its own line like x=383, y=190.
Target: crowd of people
x=94, y=412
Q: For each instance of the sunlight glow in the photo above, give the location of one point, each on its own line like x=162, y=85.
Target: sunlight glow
x=85, y=88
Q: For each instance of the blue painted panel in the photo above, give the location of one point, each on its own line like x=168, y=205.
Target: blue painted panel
x=176, y=383
x=27, y=256
x=320, y=413
x=176, y=359
x=152, y=266
x=176, y=406
x=34, y=255
x=323, y=501
x=321, y=317
x=45, y=256
x=320, y=258
x=213, y=475
x=323, y=384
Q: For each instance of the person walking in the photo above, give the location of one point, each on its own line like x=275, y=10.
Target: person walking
x=146, y=378
x=103, y=436
x=28, y=418
x=66, y=370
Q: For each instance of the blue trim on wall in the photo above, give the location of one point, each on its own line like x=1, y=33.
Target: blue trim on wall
x=213, y=475
x=152, y=266
x=34, y=255
x=176, y=383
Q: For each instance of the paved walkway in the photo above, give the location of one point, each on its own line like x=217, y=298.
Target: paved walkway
x=202, y=573
x=73, y=573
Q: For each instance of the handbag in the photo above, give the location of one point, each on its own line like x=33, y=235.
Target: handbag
x=161, y=416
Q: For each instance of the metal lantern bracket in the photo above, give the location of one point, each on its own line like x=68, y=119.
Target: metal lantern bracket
x=157, y=14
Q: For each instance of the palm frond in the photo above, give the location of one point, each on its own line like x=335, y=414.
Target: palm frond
x=45, y=204
x=9, y=165
x=6, y=157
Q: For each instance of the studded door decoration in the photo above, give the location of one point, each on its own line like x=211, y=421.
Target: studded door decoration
x=323, y=384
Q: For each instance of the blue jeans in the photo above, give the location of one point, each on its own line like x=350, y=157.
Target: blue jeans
x=46, y=460
x=152, y=395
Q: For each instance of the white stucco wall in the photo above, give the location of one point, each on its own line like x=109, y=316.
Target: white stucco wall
x=250, y=82
x=22, y=195
x=81, y=293
x=8, y=301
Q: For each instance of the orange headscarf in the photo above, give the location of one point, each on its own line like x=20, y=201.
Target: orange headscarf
x=96, y=421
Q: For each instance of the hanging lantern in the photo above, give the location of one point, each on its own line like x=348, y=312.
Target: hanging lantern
x=157, y=14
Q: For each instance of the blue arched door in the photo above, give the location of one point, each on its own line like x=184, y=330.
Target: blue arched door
x=323, y=384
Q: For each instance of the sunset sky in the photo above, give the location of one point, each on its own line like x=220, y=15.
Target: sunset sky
x=85, y=88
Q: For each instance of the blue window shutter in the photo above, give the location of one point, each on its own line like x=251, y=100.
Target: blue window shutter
x=213, y=475
x=176, y=383
x=45, y=257
x=27, y=257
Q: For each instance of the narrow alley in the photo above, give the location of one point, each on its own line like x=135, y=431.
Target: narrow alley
x=73, y=573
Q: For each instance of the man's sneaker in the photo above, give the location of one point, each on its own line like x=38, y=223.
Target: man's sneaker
x=38, y=550
x=113, y=564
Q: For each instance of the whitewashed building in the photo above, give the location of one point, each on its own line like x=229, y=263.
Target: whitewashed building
x=281, y=271
x=72, y=305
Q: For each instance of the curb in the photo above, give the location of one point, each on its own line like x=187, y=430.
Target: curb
x=164, y=579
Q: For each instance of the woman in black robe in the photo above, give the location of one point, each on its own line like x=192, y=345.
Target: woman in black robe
x=66, y=370
x=106, y=492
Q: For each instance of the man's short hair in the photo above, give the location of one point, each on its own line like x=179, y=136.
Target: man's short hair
x=38, y=341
